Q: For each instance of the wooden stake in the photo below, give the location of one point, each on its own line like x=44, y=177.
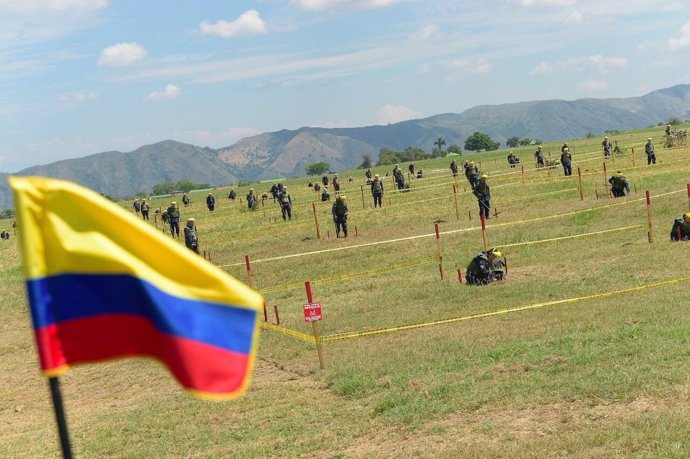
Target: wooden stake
x=316, y=222
x=440, y=252
x=364, y=206
x=606, y=183
x=579, y=181
x=459, y=275
x=522, y=174
x=356, y=232
x=455, y=197
x=265, y=313
x=250, y=276
x=315, y=328
x=688, y=185
x=633, y=155
x=328, y=234
x=505, y=264
x=277, y=313
x=484, y=238
x=469, y=214
x=650, y=234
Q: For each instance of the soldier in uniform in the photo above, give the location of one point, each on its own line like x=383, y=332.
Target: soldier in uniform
x=377, y=190
x=367, y=174
x=232, y=195
x=566, y=161
x=136, y=206
x=454, y=168
x=145, y=209
x=285, y=201
x=512, y=159
x=325, y=195
x=539, y=156
x=190, y=239
x=485, y=268
x=6, y=234
x=649, y=149
x=336, y=183
x=681, y=228
x=483, y=194
x=210, y=202
x=399, y=178
x=619, y=185
x=606, y=145
x=185, y=199
x=411, y=169
x=252, y=204
x=324, y=180
x=472, y=174
x=174, y=219
x=340, y=214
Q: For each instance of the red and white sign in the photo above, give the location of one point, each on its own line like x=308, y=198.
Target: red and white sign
x=312, y=312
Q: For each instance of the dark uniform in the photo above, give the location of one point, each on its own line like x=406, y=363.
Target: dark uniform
x=472, y=174
x=325, y=195
x=210, y=202
x=285, y=204
x=619, y=185
x=566, y=161
x=190, y=239
x=483, y=194
x=174, y=219
x=185, y=199
x=512, y=159
x=5, y=234
x=539, y=156
x=681, y=228
x=136, y=206
x=336, y=184
x=411, y=168
x=340, y=214
x=367, y=174
x=649, y=149
x=454, y=168
x=145, y=210
x=252, y=204
x=324, y=180
x=485, y=268
x=274, y=192
x=377, y=190
x=232, y=195
x=606, y=145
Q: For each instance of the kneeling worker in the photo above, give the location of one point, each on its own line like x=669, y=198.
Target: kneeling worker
x=485, y=268
x=619, y=185
x=190, y=239
x=681, y=228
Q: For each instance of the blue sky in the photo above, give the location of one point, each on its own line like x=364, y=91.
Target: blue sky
x=79, y=77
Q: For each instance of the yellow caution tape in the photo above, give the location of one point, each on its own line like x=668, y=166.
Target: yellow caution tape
x=289, y=332
x=378, y=331
x=576, y=236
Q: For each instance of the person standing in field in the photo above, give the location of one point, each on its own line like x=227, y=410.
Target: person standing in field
x=649, y=150
x=377, y=190
x=190, y=239
x=539, y=156
x=606, y=145
x=566, y=161
x=619, y=185
x=211, y=202
x=145, y=209
x=285, y=201
x=454, y=168
x=252, y=203
x=483, y=194
x=136, y=206
x=512, y=159
x=174, y=219
x=340, y=214
x=336, y=184
x=472, y=174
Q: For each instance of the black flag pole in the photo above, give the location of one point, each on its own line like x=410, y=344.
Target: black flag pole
x=60, y=417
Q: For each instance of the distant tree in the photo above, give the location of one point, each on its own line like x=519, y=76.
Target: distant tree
x=440, y=142
x=513, y=141
x=589, y=135
x=367, y=162
x=673, y=121
x=317, y=168
x=455, y=148
x=480, y=141
x=182, y=185
x=7, y=213
x=526, y=141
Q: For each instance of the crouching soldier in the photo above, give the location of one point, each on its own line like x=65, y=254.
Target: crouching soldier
x=325, y=195
x=485, y=268
x=619, y=185
x=681, y=228
x=340, y=214
x=190, y=239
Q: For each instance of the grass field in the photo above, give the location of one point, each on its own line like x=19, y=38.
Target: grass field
x=604, y=375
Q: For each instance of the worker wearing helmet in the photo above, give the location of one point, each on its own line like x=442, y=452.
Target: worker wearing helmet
x=483, y=194
x=606, y=145
x=285, y=201
x=619, y=185
x=539, y=156
x=454, y=168
x=252, y=203
x=649, y=150
x=336, y=183
x=190, y=239
x=681, y=228
x=325, y=195
x=174, y=219
x=210, y=202
x=472, y=174
x=486, y=267
x=566, y=160
x=340, y=214
x=377, y=190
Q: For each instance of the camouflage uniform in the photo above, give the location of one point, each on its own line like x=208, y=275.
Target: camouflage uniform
x=325, y=195
x=619, y=186
x=190, y=239
x=649, y=149
x=145, y=210
x=454, y=168
x=483, y=194
x=136, y=206
x=566, y=161
x=472, y=174
x=174, y=219
x=539, y=156
x=340, y=214
x=484, y=269
x=336, y=184
x=251, y=200
x=377, y=191
x=681, y=228
x=210, y=202
x=285, y=201
x=606, y=145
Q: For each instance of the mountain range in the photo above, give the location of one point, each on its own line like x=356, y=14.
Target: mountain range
x=286, y=152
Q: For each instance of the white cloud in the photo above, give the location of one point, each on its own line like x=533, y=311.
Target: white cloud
x=343, y=5
x=395, y=113
x=249, y=23
x=592, y=85
x=598, y=63
x=122, y=54
x=170, y=92
x=79, y=96
x=574, y=18
x=478, y=66
x=683, y=41
x=33, y=6
x=426, y=32
x=216, y=139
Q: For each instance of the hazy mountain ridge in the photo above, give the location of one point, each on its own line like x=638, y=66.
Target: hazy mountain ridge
x=286, y=152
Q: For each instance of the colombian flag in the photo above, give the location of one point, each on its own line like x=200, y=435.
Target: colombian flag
x=103, y=284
